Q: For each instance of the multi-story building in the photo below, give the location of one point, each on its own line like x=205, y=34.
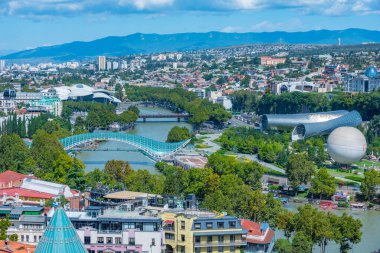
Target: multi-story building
x=270, y=61
x=368, y=82
x=118, y=231
x=28, y=223
x=99, y=230
x=2, y=65
x=10, y=101
x=101, y=63
x=188, y=231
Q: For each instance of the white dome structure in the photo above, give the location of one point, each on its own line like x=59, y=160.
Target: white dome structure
x=81, y=92
x=346, y=145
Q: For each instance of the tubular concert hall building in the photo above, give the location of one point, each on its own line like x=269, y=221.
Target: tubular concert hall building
x=309, y=124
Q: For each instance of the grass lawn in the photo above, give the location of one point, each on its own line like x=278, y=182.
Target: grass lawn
x=366, y=163
x=338, y=173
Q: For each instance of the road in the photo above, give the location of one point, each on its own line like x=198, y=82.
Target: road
x=266, y=165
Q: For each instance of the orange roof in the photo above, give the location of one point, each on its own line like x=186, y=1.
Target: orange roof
x=254, y=234
x=16, y=247
x=26, y=193
x=8, y=176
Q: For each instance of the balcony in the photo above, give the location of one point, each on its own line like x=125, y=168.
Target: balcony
x=220, y=243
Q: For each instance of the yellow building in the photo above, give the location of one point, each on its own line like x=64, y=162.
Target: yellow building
x=196, y=231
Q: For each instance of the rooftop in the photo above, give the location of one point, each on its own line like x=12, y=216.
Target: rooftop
x=15, y=247
x=257, y=234
x=130, y=195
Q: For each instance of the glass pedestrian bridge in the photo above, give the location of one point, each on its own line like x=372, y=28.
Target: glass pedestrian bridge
x=152, y=148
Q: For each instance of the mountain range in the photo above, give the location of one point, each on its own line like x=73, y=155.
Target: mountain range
x=155, y=43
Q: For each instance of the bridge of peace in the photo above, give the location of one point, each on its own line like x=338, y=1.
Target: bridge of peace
x=154, y=149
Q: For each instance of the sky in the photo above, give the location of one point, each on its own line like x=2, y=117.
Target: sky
x=26, y=24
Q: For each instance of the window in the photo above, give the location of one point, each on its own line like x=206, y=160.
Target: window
x=27, y=238
x=197, y=239
x=132, y=241
x=35, y=238
x=169, y=236
x=197, y=225
x=153, y=242
x=232, y=238
x=232, y=224
x=220, y=225
x=109, y=240
x=183, y=238
x=87, y=240
x=209, y=225
x=232, y=248
x=22, y=238
x=100, y=239
x=183, y=224
x=182, y=249
x=117, y=240
x=197, y=250
x=220, y=249
x=209, y=249
x=220, y=238
x=209, y=238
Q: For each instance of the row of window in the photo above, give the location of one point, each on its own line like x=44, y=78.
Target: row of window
x=220, y=225
x=25, y=238
x=109, y=240
x=210, y=238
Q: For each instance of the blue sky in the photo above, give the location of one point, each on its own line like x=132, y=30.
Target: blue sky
x=27, y=24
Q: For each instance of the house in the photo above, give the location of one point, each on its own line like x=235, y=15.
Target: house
x=10, y=179
x=260, y=238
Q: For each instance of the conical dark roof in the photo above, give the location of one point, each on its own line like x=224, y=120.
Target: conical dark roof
x=60, y=236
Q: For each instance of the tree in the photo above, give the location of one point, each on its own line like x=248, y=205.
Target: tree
x=4, y=225
x=177, y=134
x=13, y=237
x=323, y=184
x=143, y=181
x=75, y=176
x=369, y=183
x=299, y=170
x=301, y=243
x=14, y=154
x=134, y=109
x=347, y=231
x=117, y=170
x=283, y=246
x=45, y=151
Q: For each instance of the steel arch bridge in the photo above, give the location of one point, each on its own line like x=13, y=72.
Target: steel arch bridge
x=152, y=148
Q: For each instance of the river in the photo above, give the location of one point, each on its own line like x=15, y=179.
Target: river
x=156, y=129
x=370, y=241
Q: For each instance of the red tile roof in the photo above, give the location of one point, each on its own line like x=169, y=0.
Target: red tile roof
x=9, y=175
x=25, y=193
x=254, y=234
x=16, y=247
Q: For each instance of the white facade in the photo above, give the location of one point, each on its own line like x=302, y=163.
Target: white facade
x=2, y=65
x=225, y=101
x=362, y=84
x=101, y=63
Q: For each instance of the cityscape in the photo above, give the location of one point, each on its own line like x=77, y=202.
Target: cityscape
x=215, y=126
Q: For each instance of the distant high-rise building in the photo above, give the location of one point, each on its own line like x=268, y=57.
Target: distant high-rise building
x=339, y=41
x=101, y=63
x=109, y=65
x=2, y=65
x=115, y=65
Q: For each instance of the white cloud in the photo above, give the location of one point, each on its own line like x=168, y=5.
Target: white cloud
x=33, y=8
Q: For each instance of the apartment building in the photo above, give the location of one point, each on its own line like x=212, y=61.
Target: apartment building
x=196, y=231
